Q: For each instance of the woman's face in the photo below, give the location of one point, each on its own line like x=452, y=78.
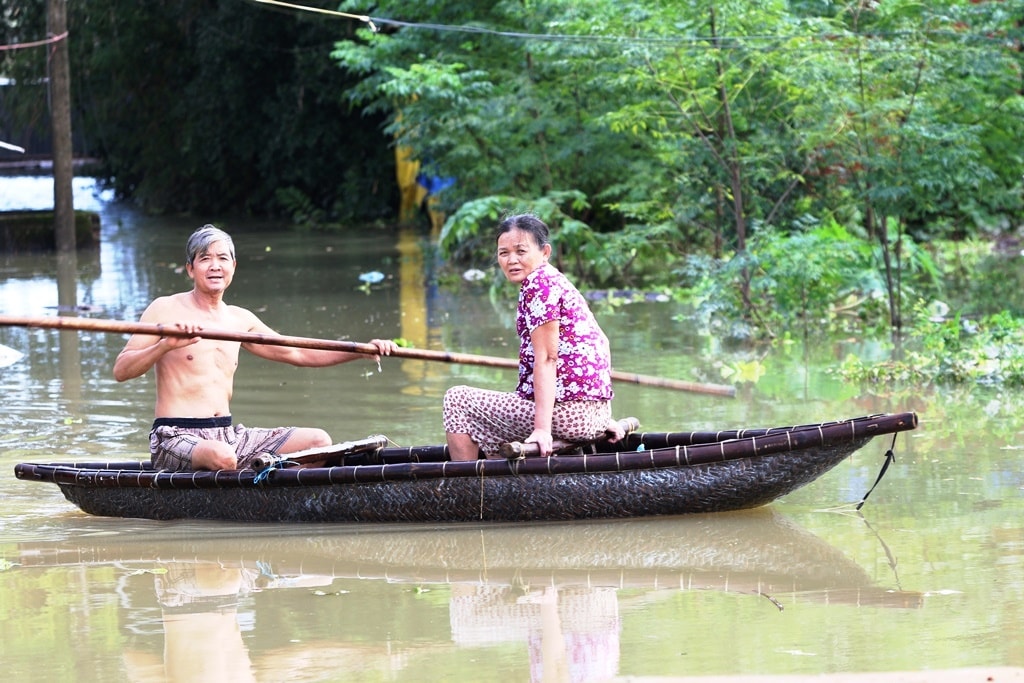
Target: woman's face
x=519, y=255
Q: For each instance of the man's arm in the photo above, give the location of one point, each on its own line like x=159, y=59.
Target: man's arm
x=144, y=350
x=307, y=357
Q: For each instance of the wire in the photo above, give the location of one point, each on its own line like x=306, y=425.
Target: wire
x=35, y=43
x=720, y=42
x=345, y=15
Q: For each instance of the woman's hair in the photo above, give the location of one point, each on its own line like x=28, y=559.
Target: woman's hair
x=526, y=222
x=201, y=240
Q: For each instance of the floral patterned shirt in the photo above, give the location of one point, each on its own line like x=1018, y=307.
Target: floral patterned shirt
x=583, y=370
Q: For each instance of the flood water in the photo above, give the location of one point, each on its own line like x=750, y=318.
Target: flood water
x=928, y=575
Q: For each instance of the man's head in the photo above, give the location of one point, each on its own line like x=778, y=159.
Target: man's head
x=200, y=241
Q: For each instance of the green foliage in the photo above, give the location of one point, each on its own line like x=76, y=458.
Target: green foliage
x=627, y=258
x=802, y=278
x=504, y=115
x=633, y=258
x=689, y=127
x=469, y=233
x=789, y=165
x=996, y=285
x=193, y=106
x=299, y=207
x=980, y=277
x=816, y=280
x=24, y=115
x=951, y=350
x=717, y=112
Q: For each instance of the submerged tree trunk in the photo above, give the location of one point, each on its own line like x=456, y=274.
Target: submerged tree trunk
x=60, y=118
x=733, y=167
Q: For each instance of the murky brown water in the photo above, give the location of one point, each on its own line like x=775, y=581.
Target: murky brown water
x=930, y=575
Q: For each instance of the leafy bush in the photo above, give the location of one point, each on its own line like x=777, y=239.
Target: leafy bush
x=951, y=350
x=816, y=280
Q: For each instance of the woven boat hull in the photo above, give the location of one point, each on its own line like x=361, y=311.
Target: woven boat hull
x=699, y=473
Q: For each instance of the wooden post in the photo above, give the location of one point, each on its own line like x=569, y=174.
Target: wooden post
x=60, y=120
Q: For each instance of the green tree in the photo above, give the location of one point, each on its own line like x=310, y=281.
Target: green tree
x=508, y=98
x=725, y=110
x=24, y=112
x=473, y=93
x=193, y=106
x=920, y=92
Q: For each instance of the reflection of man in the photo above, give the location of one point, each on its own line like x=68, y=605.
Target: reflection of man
x=572, y=633
x=195, y=376
x=202, y=631
x=202, y=637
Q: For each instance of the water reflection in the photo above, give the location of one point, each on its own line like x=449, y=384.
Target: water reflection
x=557, y=593
x=571, y=633
x=67, y=302
x=202, y=633
x=33, y=192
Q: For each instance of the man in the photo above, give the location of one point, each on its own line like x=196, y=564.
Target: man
x=195, y=376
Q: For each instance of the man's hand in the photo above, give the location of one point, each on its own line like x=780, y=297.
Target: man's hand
x=384, y=348
x=177, y=342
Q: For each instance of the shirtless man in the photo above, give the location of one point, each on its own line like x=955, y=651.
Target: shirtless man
x=195, y=376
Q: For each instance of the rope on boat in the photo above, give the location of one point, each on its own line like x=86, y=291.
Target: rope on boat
x=480, y=472
x=262, y=475
x=890, y=457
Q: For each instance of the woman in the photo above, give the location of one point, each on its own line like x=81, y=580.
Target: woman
x=564, y=386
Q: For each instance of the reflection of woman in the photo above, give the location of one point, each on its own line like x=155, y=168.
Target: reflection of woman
x=572, y=633
x=564, y=386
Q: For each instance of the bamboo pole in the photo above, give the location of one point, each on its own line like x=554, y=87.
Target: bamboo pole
x=161, y=330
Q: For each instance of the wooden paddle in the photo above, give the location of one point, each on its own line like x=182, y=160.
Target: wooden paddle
x=516, y=450
x=159, y=330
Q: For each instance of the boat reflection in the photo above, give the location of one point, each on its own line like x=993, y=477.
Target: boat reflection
x=557, y=589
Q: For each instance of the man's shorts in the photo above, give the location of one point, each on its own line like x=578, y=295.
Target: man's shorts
x=173, y=439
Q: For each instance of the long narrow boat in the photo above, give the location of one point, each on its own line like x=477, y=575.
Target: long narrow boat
x=647, y=474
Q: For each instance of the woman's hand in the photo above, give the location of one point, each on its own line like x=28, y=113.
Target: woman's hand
x=544, y=441
x=614, y=431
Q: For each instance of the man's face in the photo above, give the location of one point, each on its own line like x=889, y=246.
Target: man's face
x=213, y=269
